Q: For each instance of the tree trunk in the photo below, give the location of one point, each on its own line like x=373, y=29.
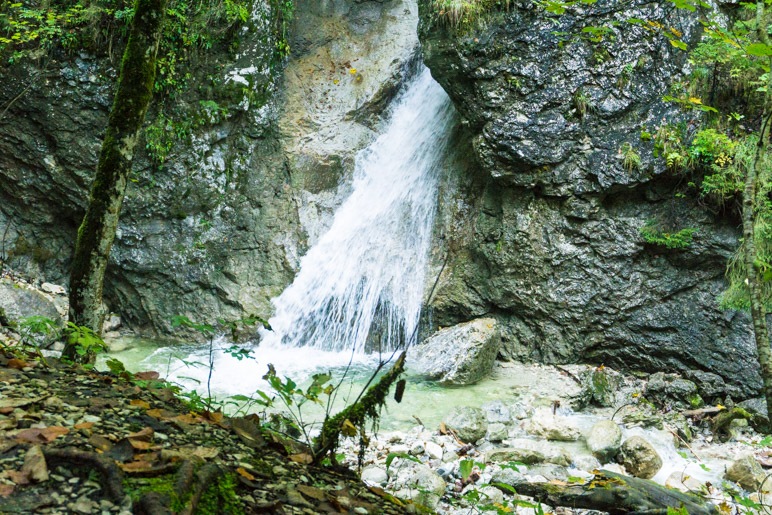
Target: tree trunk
x=97, y=232
x=617, y=495
x=750, y=204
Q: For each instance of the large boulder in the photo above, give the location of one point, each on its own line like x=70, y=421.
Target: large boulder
x=604, y=439
x=18, y=301
x=672, y=391
x=458, y=355
x=640, y=458
x=747, y=473
x=469, y=423
x=550, y=426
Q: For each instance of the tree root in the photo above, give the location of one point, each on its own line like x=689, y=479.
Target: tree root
x=617, y=494
x=193, y=479
x=110, y=476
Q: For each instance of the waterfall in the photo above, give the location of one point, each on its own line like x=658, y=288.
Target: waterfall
x=360, y=287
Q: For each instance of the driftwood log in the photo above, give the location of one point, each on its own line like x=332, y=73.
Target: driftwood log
x=617, y=494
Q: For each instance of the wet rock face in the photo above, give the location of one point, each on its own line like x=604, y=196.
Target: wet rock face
x=458, y=355
x=196, y=234
x=217, y=230
x=550, y=241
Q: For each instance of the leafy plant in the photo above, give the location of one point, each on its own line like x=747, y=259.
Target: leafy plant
x=681, y=239
x=631, y=160
x=86, y=341
x=582, y=102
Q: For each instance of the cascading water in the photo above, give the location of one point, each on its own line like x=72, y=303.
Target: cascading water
x=360, y=287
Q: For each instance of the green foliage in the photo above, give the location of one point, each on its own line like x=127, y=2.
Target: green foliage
x=86, y=341
x=631, y=159
x=653, y=235
x=582, y=103
x=29, y=28
x=221, y=497
x=737, y=296
x=462, y=15
x=283, y=11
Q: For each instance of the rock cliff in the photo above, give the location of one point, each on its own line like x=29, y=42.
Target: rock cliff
x=550, y=243
x=216, y=229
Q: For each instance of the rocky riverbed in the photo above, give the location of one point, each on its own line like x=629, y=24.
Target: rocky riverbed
x=571, y=423
x=453, y=450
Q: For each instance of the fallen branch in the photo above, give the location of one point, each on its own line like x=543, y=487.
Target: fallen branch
x=699, y=413
x=617, y=494
x=365, y=408
x=110, y=476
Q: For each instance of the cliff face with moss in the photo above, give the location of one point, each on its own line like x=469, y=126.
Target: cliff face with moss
x=240, y=171
x=541, y=209
x=551, y=241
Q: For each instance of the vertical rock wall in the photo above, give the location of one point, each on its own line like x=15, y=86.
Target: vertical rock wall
x=217, y=229
x=550, y=242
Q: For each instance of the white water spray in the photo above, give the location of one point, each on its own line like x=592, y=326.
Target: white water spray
x=360, y=287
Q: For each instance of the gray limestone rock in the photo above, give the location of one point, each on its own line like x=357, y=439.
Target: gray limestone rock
x=640, y=458
x=747, y=473
x=552, y=427
x=458, y=355
x=545, y=229
x=469, y=423
x=604, y=440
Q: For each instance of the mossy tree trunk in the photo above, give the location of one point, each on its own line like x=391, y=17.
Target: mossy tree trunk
x=97, y=232
x=750, y=207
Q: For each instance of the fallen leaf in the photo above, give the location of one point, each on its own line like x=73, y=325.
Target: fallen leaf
x=17, y=364
x=348, y=429
x=214, y=416
x=100, y=443
x=243, y=473
x=17, y=403
x=149, y=375
x=144, y=435
x=161, y=414
x=248, y=429
x=301, y=458
x=6, y=490
x=18, y=477
x=141, y=440
x=35, y=464
x=139, y=403
x=41, y=435
x=188, y=418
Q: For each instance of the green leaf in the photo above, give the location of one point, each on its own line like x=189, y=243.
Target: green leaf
x=465, y=468
x=758, y=49
x=678, y=44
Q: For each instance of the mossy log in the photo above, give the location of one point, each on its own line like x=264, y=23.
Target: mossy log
x=617, y=494
x=97, y=231
x=366, y=408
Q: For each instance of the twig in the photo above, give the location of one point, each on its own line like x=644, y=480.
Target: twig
x=686, y=444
